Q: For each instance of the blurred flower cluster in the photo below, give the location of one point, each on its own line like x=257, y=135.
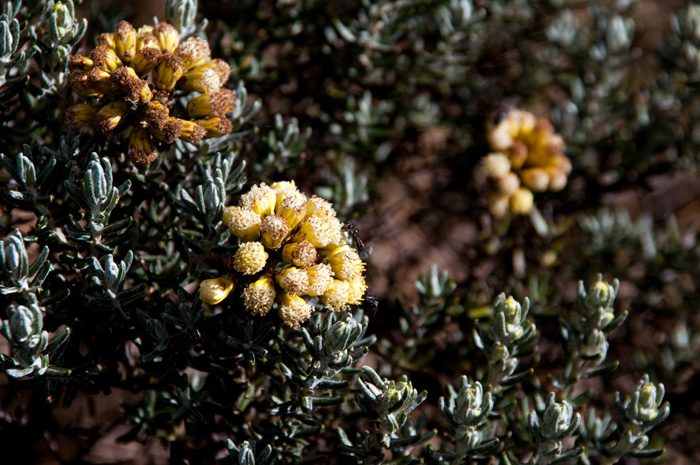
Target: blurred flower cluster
x=129, y=82
x=528, y=156
x=291, y=248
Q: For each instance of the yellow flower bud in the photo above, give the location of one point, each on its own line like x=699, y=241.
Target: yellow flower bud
x=316, y=206
x=109, y=116
x=356, y=291
x=250, y=258
x=536, y=179
x=273, y=230
x=508, y=184
x=81, y=115
x=80, y=62
x=142, y=150
x=243, y=223
x=261, y=199
x=148, y=54
x=194, y=52
x=521, y=202
x=345, y=263
x=125, y=41
x=293, y=310
x=498, y=204
x=213, y=291
x=495, y=165
x=191, y=132
x=167, y=36
x=212, y=104
x=300, y=254
x=320, y=279
x=292, y=207
x=215, y=126
x=293, y=280
x=259, y=296
x=106, y=39
x=105, y=59
x=202, y=79
x=319, y=231
x=169, y=71
x=337, y=296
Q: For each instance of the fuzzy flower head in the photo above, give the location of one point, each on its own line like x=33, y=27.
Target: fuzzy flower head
x=127, y=82
x=292, y=250
x=528, y=157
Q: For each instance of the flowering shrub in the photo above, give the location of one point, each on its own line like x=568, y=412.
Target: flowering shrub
x=228, y=247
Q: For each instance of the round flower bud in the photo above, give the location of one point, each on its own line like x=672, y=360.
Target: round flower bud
x=156, y=115
x=127, y=82
x=213, y=291
x=345, y=263
x=243, y=223
x=293, y=280
x=148, y=54
x=337, y=296
x=273, y=230
x=498, y=204
x=194, y=52
x=320, y=231
x=81, y=115
x=495, y=165
x=282, y=188
x=168, y=37
x=557, y=181
x=215, y=126
x=142, y=150
x=292, y=207
x=521, y=202
x=259, y=296
x=169, y=71
x=105, y=59
x=109, y=116
x=125, y=41
x=300, y=254
x=293, y=310
x=508, y=184
x=356, y=291
x=191, y=132
x=202, y=79
x=212, y=104
x=106, y=39
x=320, y=279
x=535, y=178
x=260, y=199
x=316, y=206
x=171, y=130
x=250, y=258
x=80, y=62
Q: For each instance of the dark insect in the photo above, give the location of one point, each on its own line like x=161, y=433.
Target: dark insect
x=370, y=304
x=356, y=240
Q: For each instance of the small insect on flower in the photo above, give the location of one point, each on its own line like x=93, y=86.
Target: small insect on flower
x=356, y=239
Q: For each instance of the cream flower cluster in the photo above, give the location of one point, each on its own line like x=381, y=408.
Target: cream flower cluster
x=128, y=81
x=291, y=249
x=528, y=156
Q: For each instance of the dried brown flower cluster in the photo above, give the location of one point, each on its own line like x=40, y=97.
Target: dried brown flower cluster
x=528, y=156
x=127, y=82
x=291, y=249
